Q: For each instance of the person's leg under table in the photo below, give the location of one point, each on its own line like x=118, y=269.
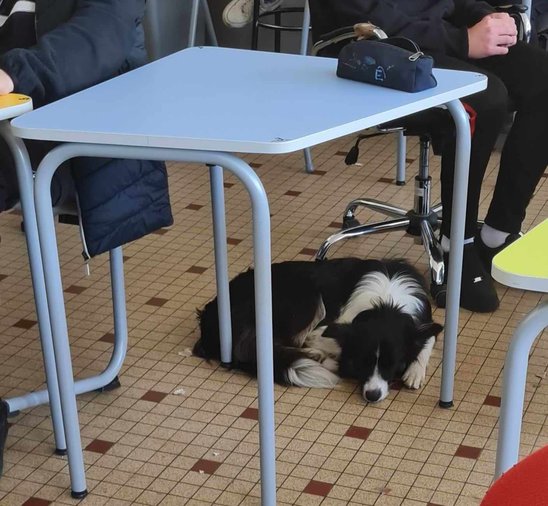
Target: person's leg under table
x=524, y=71
x=491, y=109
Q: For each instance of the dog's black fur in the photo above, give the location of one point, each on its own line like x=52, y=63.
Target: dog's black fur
x=375, y=338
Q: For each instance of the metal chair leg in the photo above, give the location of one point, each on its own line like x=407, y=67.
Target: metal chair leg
x=435, y=253
x=375, y=205
x=349, y=233
x=402, y=155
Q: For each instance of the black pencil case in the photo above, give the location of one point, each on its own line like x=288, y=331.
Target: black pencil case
x=395, y=62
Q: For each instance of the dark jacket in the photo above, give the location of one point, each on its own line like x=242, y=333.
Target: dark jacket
x=82, y=43
x=436, y=25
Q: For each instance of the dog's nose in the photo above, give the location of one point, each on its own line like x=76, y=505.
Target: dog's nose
x=373, y=395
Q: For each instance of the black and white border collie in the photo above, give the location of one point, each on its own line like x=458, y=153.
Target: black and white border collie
x=370, y=320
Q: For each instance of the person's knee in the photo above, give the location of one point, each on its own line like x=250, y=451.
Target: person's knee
x=493, y=104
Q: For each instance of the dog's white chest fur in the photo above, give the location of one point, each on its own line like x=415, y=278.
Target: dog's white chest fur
x=375, y=287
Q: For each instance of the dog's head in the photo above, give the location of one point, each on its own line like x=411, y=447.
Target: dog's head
x=378, y=346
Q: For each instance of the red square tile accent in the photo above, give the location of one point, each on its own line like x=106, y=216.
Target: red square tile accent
x=335, y=224
x=107, y=338
x=16, y=212
x=318, y=488
x=75, y=289
x=153, y=396
x=492, y=400
x=433, y=504
x=409, y=160
x=196, y=269
x=125, y=258
x=308, y=251
x=228, y=185
x=358, y=432
x=385, y=180
x=250, y=413
x=341, y=153
x=24, y=324
x=36, y=501
x=99, y=446
x=319, y=172
x=233, y=241
x=156, y=301
x=292, y=193
x=194, y=207
x=255, y=165
x=207, y=466
x=468, y=452
x=3, y=276
x=161, y=231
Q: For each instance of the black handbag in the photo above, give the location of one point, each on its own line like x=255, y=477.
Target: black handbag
x=395, y=62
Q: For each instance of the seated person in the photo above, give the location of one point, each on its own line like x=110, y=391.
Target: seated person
x=49, y=50
x=469, y=35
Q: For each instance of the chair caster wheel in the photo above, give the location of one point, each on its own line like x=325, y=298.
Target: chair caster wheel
x=439, y=294
x=350, y=223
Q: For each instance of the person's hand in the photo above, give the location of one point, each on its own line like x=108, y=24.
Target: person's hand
x=493, y=35
x=6, y=84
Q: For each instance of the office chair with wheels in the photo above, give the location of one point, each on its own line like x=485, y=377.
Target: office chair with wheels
x=424, y=219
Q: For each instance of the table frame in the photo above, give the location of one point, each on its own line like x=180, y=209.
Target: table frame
x=218, y=161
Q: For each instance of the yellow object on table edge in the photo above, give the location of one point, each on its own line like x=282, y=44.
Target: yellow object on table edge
x=524, y=264
x=14, y=104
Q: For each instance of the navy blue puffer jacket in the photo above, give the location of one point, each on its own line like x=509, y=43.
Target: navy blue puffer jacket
x=81, y=43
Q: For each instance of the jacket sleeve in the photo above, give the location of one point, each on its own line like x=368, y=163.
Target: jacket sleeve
x=89, y=48
x=447, y=36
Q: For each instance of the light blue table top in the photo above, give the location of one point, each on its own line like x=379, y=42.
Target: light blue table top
x=232, y=100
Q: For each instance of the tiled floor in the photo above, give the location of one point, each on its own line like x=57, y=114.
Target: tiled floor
x=181, y=431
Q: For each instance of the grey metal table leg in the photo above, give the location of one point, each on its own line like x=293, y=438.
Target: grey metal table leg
x=221, y=262
x=460, y=190
x=513, y=387
x=263, y=296
x=26, y=190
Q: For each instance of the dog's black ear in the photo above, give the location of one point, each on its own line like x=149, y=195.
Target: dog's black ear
x=427, y=330
x=338, y=331
x=363, y=316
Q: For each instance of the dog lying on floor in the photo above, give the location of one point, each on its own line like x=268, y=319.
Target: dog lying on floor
x=370, y=320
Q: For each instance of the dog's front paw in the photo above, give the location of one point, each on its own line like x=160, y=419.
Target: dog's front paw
x=414, y=376
x=331, y=364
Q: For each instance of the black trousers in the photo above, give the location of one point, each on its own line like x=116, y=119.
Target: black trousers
x=516, y=81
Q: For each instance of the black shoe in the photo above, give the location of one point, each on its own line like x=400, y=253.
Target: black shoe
x=4, y=410
x=477, y=291
x=487, y=254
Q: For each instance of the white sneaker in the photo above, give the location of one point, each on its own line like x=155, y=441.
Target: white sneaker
x=239, y=13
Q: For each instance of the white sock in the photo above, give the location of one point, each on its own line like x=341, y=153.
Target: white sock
x=445, y=242
x=492, y=237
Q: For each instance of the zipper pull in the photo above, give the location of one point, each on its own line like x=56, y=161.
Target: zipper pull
x=416, y=56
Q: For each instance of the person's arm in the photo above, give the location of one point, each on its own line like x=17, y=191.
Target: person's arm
x=87, y=49
x=448, y=37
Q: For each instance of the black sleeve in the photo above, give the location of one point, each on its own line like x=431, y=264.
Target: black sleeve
x=447, y=36
x=89, y=48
